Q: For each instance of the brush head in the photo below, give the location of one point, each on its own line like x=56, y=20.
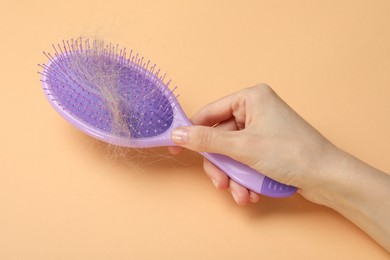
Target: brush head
x=107, y=93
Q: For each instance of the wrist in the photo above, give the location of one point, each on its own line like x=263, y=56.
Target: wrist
x=347, y=184
x=357, y=191
x=332, y=182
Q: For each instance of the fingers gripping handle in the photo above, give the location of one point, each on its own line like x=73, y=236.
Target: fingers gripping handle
x=250, y=178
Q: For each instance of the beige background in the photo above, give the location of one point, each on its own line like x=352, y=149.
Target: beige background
x=65, y=196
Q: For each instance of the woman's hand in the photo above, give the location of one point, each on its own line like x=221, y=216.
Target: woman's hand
x=256, y=127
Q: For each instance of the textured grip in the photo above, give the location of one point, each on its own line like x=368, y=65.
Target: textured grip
x=273, y=188
x=250, y=178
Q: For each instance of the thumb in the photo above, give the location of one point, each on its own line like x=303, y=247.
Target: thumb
x=205, y=139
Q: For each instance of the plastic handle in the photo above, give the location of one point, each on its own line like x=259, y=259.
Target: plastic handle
x=250, y=178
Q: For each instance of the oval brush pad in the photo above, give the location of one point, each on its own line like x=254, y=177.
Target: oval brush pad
x=117, y=98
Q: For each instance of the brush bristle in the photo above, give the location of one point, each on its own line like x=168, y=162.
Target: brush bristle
x=107, y=89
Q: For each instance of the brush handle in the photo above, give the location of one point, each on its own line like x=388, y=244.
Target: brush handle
x=250, y=178
x=237, y=171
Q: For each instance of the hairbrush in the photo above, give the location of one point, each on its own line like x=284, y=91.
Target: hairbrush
x=120, y=99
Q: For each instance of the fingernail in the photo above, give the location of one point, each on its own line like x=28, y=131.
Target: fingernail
x=235, y=197
x=215, y=183
x=179, y=136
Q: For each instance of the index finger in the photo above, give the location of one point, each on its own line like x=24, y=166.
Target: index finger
x=215, y=112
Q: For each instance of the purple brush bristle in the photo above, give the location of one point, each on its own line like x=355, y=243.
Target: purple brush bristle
x=86, y=80
x=118, y=99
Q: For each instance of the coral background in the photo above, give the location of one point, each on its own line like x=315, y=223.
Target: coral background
x=64, y=195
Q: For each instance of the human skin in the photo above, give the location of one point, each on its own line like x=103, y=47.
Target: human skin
x=291, y=151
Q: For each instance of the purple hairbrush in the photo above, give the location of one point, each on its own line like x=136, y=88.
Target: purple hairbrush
x=118, y=99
